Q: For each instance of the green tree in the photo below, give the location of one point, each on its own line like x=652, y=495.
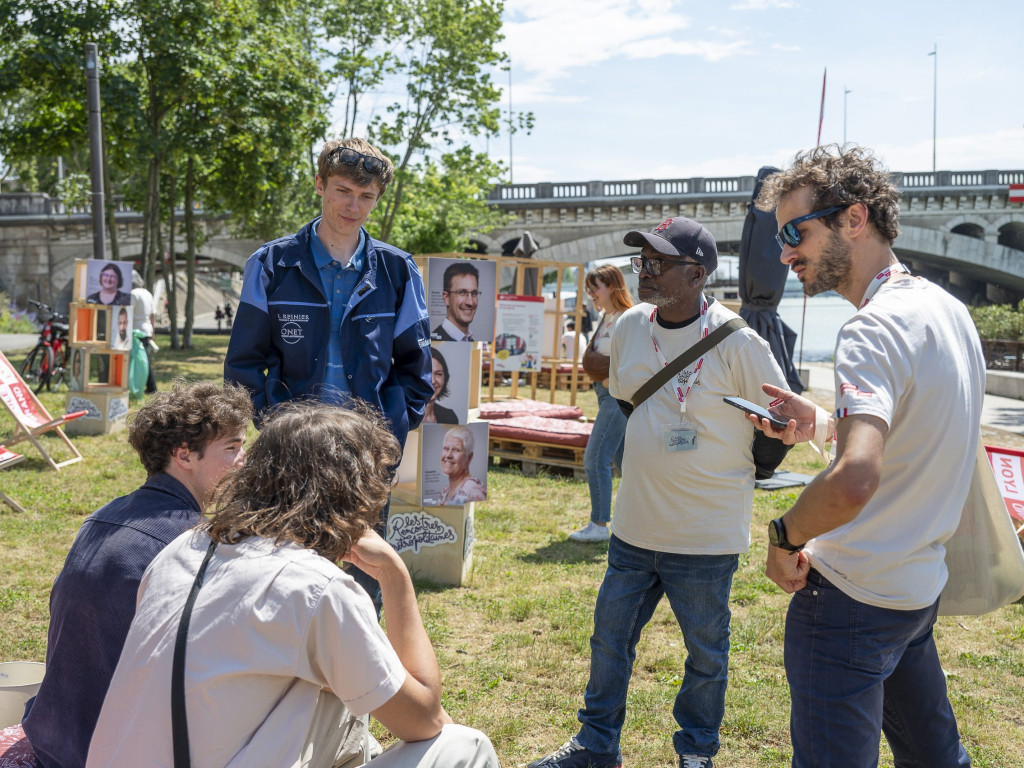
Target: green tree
x=444, y=202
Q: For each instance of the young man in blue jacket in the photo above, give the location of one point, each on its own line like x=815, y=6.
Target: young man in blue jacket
x=331, y=313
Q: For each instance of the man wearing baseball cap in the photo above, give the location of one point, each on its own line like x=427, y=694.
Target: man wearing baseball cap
x=682, y=515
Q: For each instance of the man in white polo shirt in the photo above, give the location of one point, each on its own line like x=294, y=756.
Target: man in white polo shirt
x=862, y=549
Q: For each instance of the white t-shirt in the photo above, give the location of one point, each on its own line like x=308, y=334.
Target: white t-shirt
x=699, y=501
x=272, y=626
x=143, y=307
x=912, y=358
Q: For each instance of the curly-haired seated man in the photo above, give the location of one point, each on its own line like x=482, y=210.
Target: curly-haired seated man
x=283, y=654
x=187, y=440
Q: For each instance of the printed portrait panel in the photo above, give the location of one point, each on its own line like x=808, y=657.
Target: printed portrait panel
x=109, y=282
x=454, y=464
x=121, y=328
x=467, y=306
x=450, y=376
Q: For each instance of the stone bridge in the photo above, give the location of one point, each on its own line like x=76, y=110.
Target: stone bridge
x=958, y=228
x=40, y=241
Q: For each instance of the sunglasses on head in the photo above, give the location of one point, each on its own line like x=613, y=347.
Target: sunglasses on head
x=348, y=156
x=790, y=235
x=654, y=266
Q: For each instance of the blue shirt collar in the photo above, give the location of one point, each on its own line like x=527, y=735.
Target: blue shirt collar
x=323, y=259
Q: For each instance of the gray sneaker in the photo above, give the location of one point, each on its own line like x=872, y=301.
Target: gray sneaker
x=591, y=532
x=572, y=754
x=695, y=761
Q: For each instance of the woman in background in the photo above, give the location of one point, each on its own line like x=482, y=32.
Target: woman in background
x=607, y=290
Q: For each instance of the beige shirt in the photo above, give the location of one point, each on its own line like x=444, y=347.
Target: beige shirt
x=695, y=501
x=272, y=626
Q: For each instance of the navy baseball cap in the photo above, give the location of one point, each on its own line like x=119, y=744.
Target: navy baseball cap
x=681, y=237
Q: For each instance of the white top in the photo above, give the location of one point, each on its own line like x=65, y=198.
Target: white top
x=143, y=307
x=912, y=358
x=271, y=627
x=603, y=334
x=691, y=501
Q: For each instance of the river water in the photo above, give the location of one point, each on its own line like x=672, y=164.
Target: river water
x=824, y=317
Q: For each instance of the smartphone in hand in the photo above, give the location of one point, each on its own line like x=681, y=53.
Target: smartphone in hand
x=761, y=413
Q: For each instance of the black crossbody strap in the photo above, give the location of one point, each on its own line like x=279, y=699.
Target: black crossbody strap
x=657, y=381
x=179, y=718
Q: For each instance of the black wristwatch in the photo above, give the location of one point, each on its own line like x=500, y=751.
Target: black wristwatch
x=777, y=536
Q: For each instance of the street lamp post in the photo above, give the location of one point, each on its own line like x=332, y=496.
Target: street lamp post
x=92, y=82
x=845, y=91
x=935, y=103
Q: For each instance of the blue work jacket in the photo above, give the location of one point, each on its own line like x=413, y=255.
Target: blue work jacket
x=278, y=346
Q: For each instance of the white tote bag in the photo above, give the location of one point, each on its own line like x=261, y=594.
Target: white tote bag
x=984, y=556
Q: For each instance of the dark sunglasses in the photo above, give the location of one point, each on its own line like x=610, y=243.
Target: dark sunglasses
x=348, y=156
x=790, y=235
x=654, y=266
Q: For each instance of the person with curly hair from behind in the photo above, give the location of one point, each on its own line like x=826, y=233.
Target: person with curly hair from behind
x=187, y=440
x=284, y=656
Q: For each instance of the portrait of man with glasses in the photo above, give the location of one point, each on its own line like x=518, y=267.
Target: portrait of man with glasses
x=332, y=313
x=467, y=292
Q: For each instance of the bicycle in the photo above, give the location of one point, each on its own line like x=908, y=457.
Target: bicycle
x=46, y=364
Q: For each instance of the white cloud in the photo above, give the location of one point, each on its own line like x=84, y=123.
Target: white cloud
x=761, y=5
x=785, y=48
x=548, y=40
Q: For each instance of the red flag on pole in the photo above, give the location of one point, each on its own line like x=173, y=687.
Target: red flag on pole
x=821, y=113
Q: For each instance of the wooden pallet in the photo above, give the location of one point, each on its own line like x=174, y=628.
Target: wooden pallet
x=532, y=456
x=563, y=380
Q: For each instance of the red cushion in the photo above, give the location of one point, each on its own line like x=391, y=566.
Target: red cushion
x=15, y=751
x=538, y=429
x=507, y=409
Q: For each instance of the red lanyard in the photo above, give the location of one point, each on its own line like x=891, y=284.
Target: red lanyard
x=684, y=377
x=880, y=278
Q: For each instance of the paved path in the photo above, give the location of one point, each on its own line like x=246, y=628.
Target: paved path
x=997, y=413
x=10, y=342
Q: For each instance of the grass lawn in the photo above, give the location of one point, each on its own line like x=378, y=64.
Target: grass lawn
x=514, y=643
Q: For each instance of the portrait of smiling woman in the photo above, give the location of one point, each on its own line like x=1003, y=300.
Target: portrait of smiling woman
x=110, y=280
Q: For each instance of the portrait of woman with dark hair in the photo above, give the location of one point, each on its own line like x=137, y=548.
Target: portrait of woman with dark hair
x=111, y=281
x=434, y=413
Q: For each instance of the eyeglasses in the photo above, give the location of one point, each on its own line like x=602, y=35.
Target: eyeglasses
x=790, y=235
x=348, y=156
x=654, y=266
x=462, y=293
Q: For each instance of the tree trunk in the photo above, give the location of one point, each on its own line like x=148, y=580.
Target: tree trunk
x=111, y=206
x=190, y=252
x=172, y=279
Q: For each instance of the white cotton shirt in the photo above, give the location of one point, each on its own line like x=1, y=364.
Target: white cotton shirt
x=143, y=308
x=272, y=626
x=913, y=359
x=695, y=502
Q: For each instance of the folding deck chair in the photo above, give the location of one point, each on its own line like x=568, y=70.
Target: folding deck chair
x=9, y=459
x=31, y=418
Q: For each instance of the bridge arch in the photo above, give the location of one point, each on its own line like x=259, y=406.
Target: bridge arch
x=1011, y=235
x=971, y=226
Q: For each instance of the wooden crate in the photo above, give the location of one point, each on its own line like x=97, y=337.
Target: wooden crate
x=533, y=455
x=436, y=543
x=106, y=412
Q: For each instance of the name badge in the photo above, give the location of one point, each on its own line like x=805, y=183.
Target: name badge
x=679, y=437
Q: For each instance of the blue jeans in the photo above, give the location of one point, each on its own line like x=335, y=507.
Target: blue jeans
x=605, y=445
x=855, y=670
x=697, y=587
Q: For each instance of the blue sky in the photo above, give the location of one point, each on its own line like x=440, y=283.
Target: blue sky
x=625, y=89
